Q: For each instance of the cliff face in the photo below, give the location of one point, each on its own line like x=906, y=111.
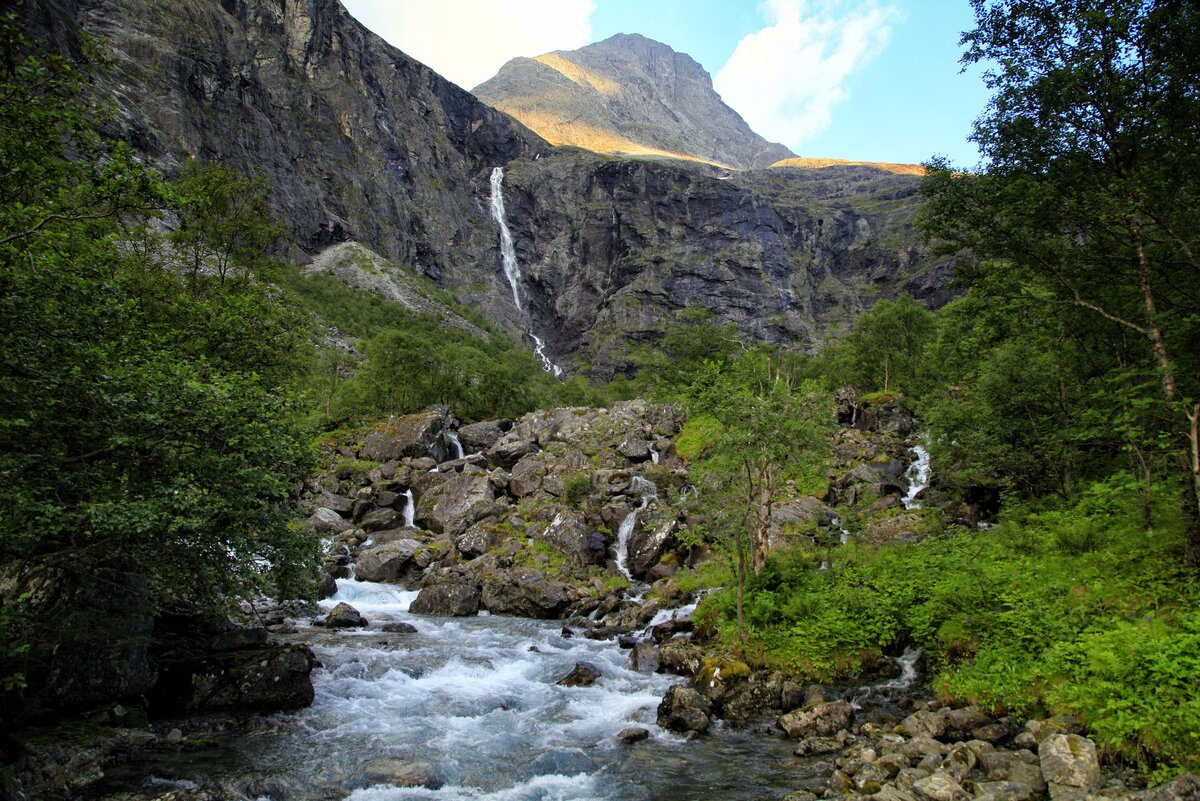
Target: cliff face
x=629, y=95
x=360, y=142
x=610, y=248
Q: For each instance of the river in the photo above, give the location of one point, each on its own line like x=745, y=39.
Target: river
x=476, y=700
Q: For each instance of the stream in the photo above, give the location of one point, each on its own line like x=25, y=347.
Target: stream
x=476, y=700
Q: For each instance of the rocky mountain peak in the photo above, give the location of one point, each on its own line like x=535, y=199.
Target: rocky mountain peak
x=628, y=95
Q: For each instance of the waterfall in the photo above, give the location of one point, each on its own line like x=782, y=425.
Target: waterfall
x=918, y=477
x=410, y=508
x=512, y=269
x=648, y=492
x=508, y=253
x=884, y=690
x=455, y=443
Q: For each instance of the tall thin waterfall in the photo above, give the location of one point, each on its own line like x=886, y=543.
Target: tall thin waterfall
x=508, y=253
x=512, y=270
x=918, y=477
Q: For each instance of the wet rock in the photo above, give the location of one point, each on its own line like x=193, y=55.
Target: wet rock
x=668, y=629
x=809, y=746
x=381, y=519
x=447, y=600
x=644, y=657
x=924, y=723
x=269, y=678
x=326, y=586
x=683, y=709
x=343, y=616
x=680, y=656
x=584, y=674
x=1069, y=763
x=327, y=521
x=398, y=772
x=820, y=720
x=635, y=735
x=570, y=534
x=413, y=435
x=386, y=562
x=399, y=627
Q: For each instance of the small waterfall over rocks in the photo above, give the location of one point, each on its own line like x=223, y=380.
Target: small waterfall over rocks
x=512, y=269
x=918, y=477
x=648, y=493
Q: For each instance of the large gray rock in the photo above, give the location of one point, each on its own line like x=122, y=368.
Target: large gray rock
x=381, y=519
x=683, y=709
x=447, y=600
x=647, y=544
x=570, y=534
x=525, y=593
x=1184, y=787
x=460, y=501
x=260, y=679
x=476, y=540
x=526, y=476
x=1069, y=764
x=824, y=719
x=386, y=562
x=343, y=616
x=510, y=449
x=327, y=521
x=478, y=437
x=412, y=435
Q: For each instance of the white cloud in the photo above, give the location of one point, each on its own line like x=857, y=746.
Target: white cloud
x=468, y=41
x=786, y=78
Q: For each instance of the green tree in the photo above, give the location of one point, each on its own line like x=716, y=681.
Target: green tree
x=888, y=342
x=143, y=413
x=766, y=433
x=1091, y=192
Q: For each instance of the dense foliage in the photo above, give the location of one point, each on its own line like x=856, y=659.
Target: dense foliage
x=145, y=413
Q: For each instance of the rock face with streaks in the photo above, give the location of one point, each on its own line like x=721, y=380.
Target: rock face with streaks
x=360, y=143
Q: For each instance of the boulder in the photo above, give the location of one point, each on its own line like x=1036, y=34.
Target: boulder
x=644, y=658
x=802, y=512
x=478, y=437
x=476, y=540
x=509, y=449
x=459, y=502
x=337, y=503
x=343, y=616
x=326, y=586
x=327, y=521
x=646, y=545
x=584, y=674
x=399, y=627
x=570, y=534
x=412, y=435
x=261, y=679
x=680, y=656
x=632, y=735
x=381, y=519
x=1184, y=787
x=524, y=593
x=924, y=723
x=398, y=772
x=635, y=449
x=683, y=710
x=819, y=720
x=1069, y=764
x=526, y=476
x=447, y=600
x=940, y=787
x=386, y=562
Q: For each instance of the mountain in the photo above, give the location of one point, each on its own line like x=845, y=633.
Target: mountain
x=628, y=95
x=360, y=143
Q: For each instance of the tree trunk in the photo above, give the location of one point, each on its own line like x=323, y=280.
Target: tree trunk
x=762, y=528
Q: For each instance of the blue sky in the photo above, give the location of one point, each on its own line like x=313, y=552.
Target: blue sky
x=877, y=80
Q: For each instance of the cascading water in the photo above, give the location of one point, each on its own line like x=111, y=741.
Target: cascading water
x=648, y=492
x=455, y=443
x=410, y=508
x=918, y=477
x=512, y=269
x=474, y=704
x=885, y=692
